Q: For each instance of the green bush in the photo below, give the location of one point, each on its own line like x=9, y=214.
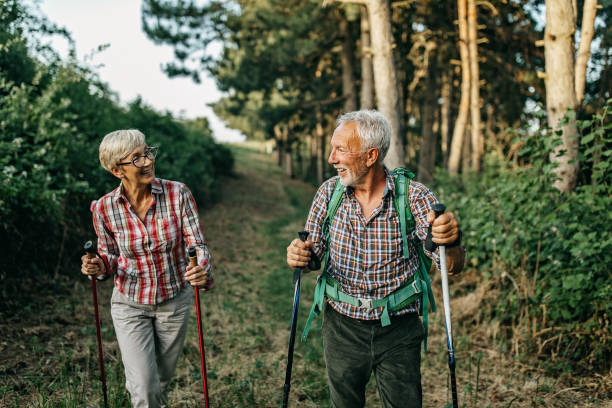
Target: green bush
x=187, y=153
x=51, y=124
x=546, y=254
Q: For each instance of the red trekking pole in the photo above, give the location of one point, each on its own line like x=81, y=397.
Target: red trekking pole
x=91, y=253
x=193, y=262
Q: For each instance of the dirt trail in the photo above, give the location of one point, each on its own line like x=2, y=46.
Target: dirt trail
x=49, y=357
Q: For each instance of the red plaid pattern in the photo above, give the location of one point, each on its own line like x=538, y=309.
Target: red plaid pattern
x=366, y=256
x=150, y=257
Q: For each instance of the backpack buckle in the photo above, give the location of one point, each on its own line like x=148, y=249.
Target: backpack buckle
x=365, y=303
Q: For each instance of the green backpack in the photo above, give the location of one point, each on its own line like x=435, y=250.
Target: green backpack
x=418, y=288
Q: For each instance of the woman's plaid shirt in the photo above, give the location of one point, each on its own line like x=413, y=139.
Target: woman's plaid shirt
x=366, y=255
x=149, y=257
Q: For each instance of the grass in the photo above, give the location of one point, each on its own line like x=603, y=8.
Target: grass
x=48, y=352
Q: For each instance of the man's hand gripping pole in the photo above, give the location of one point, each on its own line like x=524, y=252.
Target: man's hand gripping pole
x=297, y=280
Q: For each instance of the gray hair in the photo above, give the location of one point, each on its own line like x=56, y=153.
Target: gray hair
x=373, y=129
x=118, y=144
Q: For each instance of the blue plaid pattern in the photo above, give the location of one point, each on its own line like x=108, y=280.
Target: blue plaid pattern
x=366, y=253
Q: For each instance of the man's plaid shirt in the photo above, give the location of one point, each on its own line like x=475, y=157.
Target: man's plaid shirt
x=366, y=253
x=149, y=257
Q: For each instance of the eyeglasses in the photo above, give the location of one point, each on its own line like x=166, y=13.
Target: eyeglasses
x=139, y=161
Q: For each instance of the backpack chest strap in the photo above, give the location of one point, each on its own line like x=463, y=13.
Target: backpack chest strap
x=329, y=287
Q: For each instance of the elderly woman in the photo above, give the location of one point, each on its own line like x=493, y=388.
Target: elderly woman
x=144, y=227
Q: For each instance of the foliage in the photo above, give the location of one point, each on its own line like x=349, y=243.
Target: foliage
x=547, y=253
x=281, y=59
x=188, y=152
x=52, y=118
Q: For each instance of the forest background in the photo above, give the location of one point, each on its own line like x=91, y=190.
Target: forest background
x=503, y=107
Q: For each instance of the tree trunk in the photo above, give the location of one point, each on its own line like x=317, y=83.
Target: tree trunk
x=584, y=47
x=348, y=77
x=490, y=132
x=385, y=78
x=427, y=157
x=312, y=170
x=367, y=77
x=560, y=88
x=300, y=161
x=445, y=112
x=279, y=146
x=320, y=137
x=285, y=153
x=466, y=153
x=462, y=114
x=477, y=140
x=326, y=147
x=288, y=162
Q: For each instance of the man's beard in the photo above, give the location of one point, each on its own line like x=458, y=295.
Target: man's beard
x=353, y=177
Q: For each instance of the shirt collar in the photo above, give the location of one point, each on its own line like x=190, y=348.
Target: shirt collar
x=156, y=188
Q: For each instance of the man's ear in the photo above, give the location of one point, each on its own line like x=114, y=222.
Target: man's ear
x=371, y=156
x=117, y=172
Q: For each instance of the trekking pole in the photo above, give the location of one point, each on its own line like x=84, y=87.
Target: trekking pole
x=193, y=262
x=91, y=253
x=439, y=210
x=297, y=280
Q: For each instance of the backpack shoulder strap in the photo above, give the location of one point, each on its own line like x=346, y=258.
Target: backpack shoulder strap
x=332, y=207
x=401, y=202
x=319, y=293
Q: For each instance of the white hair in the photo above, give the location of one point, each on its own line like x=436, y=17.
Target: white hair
x=373, y=129
x=118, y=144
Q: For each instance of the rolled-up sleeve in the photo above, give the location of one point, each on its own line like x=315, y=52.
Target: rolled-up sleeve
x=107, y=245
x=421, y=201
x=192, y=231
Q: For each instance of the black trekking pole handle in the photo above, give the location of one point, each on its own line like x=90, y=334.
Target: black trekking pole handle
x=297, y=280
x=439, y=210
x=91, y=253
x=90, y=250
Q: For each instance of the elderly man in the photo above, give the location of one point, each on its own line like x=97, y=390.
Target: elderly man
x=367, y=263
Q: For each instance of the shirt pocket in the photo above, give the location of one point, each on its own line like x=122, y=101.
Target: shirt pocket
x=168, y=233
x=386, y=248
x=131, y=245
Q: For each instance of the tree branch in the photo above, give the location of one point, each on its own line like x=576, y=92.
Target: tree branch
x=329, y=2
x=489, y=6
x=584, y=48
